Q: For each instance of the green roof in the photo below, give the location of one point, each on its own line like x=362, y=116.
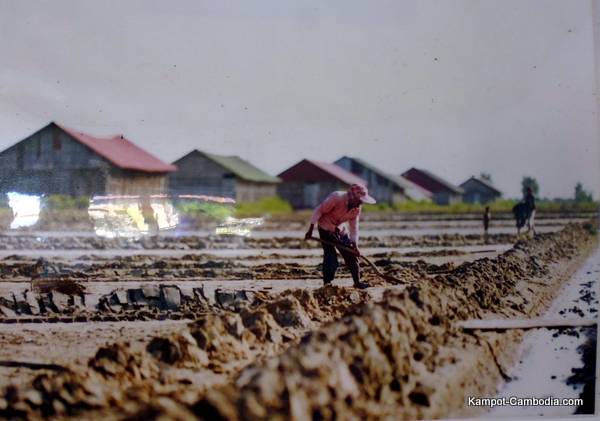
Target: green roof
x=242, y=169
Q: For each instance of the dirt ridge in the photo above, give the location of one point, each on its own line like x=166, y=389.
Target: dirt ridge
x=324, y=354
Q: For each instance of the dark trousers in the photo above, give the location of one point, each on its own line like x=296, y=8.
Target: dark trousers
x=330, y=260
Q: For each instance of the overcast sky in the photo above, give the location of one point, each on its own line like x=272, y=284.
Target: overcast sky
x=456, y=87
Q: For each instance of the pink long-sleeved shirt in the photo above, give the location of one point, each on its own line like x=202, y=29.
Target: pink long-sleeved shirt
x=334, y=211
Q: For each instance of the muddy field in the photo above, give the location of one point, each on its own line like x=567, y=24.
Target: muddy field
x=191, y=324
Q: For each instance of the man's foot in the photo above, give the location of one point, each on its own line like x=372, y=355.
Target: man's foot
x=325, y=283
x=361, y=285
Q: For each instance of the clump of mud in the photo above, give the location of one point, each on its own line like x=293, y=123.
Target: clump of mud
x=366, y=365
x=586, y=375
x=321, y=354
x=422, y=253
x=142, y=268
x=219, y=343
x=190, y=242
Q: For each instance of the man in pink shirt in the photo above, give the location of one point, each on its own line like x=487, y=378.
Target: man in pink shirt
x=337, y=208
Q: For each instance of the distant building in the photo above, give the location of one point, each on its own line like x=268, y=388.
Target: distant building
x=309, y=182
x=218, y=175
x=384, y=187
x=443, y=192
x=413, y=191
x=59, y=160
x=478, y=190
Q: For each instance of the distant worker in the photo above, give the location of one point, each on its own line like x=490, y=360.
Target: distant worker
x=487, y=215
x=530, y=203
x=520, y=212
x=337, y=208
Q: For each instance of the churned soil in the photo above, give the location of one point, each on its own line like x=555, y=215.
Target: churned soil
x=321, y=353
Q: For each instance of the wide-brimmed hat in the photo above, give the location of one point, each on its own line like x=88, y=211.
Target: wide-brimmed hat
x=360, y=192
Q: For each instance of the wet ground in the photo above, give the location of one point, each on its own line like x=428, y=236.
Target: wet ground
x=261, y=297
x=552, y=358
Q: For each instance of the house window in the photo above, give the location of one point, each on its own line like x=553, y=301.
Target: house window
x=56, y=143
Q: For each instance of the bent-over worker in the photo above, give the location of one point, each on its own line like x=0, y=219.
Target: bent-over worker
x=337, y=208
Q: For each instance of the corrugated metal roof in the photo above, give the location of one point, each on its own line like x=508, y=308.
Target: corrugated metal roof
x=373, y=169
x=485, y=183
x=121, y=152
x=308, y=170
x=242, y=169
x=447, y=185
x=401, y=182
x=412, y=190
x=339, y=173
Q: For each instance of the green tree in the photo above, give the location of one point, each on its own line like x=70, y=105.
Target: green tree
x=529, y=182
x=582, y=196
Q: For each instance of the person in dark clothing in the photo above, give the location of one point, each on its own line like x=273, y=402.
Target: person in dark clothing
x=530, y=204
x=330, y=260
x=520, y=212
x=487, y=215
x=338, y=208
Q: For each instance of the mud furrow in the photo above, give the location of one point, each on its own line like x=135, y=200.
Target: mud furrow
x=328, y=353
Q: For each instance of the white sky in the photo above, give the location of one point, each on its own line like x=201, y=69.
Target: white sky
x=457, y=87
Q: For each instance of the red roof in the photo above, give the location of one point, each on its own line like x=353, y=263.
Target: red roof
x=121, y=152
x=308, y=170
x=431, y=182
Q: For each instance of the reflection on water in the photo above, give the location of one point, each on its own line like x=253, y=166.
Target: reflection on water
x=25, y=208
x=135, y=216
x=131, y=216
x=215, y=199
x=242, y=227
